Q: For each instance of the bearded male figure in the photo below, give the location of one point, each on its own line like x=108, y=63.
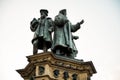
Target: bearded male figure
x=42, y=37
x=63, y=43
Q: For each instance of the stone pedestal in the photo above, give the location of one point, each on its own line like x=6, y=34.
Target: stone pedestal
x=46, y=66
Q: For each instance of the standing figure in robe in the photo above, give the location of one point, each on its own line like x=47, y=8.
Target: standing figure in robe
x=63, y=43
x=42, y=37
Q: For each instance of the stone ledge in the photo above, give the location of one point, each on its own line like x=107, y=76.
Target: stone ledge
x=62, y=61
x=55, y=62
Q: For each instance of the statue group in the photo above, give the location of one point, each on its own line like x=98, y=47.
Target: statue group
x=62, y=43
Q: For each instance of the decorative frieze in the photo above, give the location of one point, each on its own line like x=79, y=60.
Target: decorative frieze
x=56, y=68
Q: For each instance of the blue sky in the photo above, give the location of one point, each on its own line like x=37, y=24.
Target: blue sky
x=99, y=36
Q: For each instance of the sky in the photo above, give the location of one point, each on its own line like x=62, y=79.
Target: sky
x=99, y=36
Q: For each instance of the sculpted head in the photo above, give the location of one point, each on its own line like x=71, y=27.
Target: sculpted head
x=43, y=13
x=63, y=11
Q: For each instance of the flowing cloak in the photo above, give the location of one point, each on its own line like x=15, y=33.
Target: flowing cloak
x=63, y=38
x=42, y=33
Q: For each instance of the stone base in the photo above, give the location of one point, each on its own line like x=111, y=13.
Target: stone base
x=47, y=66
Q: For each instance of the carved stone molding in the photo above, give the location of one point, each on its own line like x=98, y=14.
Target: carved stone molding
x=54, y=66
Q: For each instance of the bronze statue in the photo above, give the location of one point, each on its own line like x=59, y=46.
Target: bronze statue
x=63, y=43
x=42, y=37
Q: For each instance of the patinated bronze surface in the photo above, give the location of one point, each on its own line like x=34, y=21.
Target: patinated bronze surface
x=42, y=37
x=63, y=40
